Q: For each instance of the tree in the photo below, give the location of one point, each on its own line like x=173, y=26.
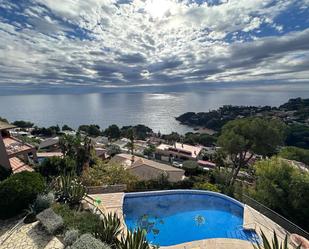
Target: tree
x=23, y=124
x=298, y=135
x=102, y=173
x=172, y=138
x=84, y=155
x=91, y=130
x=283, y=188
x=66, y=128
x=113, y=132
x=131, y=143
x=3, y=120
x=81, y=150
x=295, y=153
x=149, y=150
x=242, y=138
x=56, y=166
x=190, y=166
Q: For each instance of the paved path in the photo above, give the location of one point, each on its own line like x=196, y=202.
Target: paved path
x=30, y=236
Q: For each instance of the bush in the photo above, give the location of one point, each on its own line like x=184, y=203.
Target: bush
x=294, y=153
x=191, y=167
x=43, y=202
x=4, y=173
x=87, y=241
x=18, y=191
x=70, y=237
x=84, y=222
x=56, y=166
x=206, y=186
x=50, y=220
x=109, y=174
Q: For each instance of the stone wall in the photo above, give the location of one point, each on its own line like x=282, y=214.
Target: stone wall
x=106, y=189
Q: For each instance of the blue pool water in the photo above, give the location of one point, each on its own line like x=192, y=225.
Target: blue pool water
x=174, y=217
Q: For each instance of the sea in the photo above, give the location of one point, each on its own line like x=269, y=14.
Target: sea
x=155, y=109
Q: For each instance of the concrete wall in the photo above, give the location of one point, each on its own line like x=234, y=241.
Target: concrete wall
x=4, y=159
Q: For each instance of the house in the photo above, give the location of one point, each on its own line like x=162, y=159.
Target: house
x=50, y=144
x=206, y=164
x=178, y=151
x=15, y=155
x=101, y=153
x=100, y=140
x=146, y=169
x=122, y=143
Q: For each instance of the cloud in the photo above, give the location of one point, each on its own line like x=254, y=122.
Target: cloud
x=123, y=43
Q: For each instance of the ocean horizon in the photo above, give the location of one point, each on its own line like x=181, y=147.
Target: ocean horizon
x=156, y=109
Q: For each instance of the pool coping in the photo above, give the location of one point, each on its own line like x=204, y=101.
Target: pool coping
x=183, y=191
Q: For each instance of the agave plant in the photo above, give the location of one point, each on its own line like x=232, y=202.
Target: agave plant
x=109, y=229
x=274, y=244
x=134, y=240
x=70, y=190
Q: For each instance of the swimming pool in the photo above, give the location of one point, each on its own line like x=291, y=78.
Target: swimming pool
x=177, y=216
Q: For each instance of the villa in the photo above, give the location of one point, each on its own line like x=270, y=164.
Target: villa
x=15, y=155
x=146, y=169
x=178, y=151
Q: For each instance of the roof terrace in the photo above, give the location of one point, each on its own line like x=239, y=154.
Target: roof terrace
x=16, y=147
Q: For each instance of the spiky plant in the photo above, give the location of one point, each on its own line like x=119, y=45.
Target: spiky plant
x=70, y=190
x=134, y=240
x=109, y=229
x=273, y=244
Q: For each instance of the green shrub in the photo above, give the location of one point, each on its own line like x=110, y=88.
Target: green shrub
x=70, y=237
x=206, y=186
x=56, y=166
x=51, y=221
x=134, y=240
x=191, y=167
x=84, y=222
x=43, y=202
x=109, y=229
x=18, y=191
x=4, y=173
x=87, y=241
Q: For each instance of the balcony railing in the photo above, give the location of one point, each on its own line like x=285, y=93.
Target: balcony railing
x=277, y=218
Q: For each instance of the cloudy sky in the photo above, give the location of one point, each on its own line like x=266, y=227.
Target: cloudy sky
x=143, y=43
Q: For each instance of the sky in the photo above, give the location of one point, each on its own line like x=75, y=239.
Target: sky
x=125, y=44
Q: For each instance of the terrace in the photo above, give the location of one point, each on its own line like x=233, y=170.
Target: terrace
x=15, y=147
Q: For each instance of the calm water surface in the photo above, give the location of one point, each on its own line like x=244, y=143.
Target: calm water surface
x=169, y=220
x=156, y=110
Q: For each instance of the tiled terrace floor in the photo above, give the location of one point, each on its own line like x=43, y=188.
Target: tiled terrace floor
x=29, y=236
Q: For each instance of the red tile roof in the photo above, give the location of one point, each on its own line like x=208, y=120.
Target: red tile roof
x=18, y=166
